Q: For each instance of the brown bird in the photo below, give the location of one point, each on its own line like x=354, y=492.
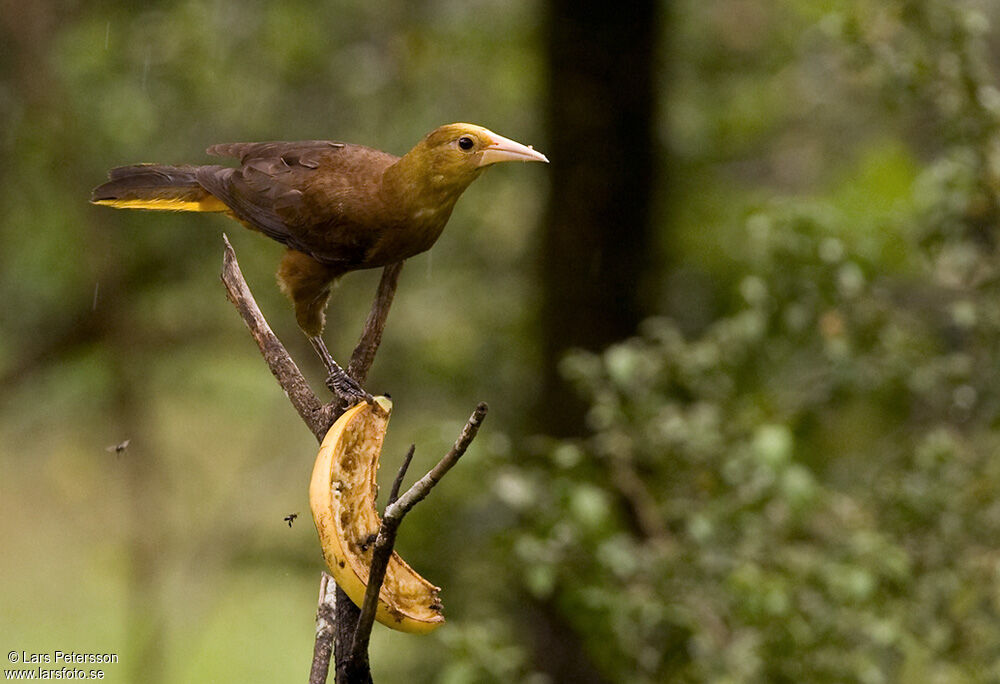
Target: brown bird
x=338, y=207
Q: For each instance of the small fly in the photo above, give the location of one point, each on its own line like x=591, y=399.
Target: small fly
x=118, y=449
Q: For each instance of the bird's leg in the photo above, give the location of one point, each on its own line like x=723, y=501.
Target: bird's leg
x=337, y=379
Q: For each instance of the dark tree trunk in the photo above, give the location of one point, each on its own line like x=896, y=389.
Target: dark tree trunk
x=598, y=242
x=598, y=239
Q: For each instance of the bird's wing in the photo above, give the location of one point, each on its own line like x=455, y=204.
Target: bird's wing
x=289, y=190
x=307, y=149
x=257, y=198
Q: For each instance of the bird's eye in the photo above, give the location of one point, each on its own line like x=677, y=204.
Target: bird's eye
x=466, y=143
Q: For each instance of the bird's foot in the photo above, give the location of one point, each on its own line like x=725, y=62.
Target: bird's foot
x=346, y=387
x=337, y=379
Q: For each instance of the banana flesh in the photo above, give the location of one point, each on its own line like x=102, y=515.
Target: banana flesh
x=342, y=497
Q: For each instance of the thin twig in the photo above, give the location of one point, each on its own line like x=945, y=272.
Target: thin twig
x=398, y=482
x=394, y=514
x=316, y=416
x=422, y=487
x=371, y=336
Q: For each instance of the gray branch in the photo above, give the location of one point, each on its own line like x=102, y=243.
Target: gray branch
x=317, y=416
x=371, y=336
x=325, y=624
x=394, y=514
x=342, y=629
x=336, y=615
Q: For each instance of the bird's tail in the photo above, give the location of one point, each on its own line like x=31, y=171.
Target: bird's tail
x=155, y=186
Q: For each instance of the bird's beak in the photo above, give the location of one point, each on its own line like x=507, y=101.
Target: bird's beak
x=502, y=149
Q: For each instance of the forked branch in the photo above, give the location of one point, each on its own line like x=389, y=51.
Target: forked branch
x=394, y=513
x=341, y=627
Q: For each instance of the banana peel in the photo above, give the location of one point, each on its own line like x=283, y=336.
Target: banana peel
x=342, y=497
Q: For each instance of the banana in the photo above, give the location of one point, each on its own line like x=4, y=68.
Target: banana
x=342, y=497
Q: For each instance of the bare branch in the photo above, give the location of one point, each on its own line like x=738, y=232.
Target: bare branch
x=348, y=668
x=342, y=629
x=324, y=632
x=371, y=336
x=318, y=417
x=394, y=514
x=422, y=487
x=315, y=415
x=381, y=554
x=394, y=492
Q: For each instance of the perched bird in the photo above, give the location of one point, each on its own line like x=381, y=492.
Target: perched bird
x=338, y=207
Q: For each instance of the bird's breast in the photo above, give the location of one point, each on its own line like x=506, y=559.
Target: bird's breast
x=426, y=215
x=414, y=232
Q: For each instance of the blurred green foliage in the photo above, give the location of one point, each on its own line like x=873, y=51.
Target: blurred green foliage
x=789, y=474
x=805, y=488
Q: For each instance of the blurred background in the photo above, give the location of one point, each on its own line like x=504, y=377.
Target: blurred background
x=740, y=339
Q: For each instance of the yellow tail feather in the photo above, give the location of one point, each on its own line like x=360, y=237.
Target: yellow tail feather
x=208, y=204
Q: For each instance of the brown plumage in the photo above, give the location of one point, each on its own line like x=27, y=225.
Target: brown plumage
x=338, y=207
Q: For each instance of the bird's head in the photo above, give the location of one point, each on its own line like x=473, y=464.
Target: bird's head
x=467, y=147
x=452, y=156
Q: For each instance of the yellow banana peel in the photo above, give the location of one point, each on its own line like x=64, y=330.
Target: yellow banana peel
x=342, y=497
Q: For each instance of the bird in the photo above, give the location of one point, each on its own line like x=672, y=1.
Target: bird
x=337, y=207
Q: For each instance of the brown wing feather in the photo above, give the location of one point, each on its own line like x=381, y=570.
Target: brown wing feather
x=314, y=196
x=263, y=150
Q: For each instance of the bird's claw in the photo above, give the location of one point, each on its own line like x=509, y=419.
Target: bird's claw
x=347, y=388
